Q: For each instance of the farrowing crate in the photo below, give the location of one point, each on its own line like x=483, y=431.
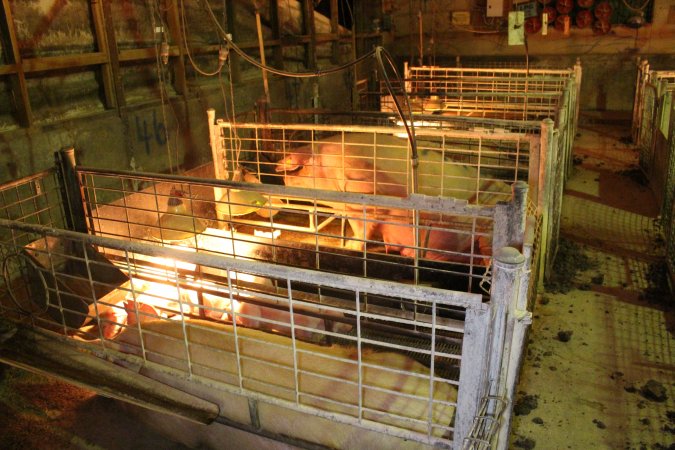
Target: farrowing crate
x=517, y=94
x=496, y=93
x=476, y=164
x=142, y=287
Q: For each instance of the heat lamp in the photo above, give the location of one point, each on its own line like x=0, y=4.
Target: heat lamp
x=178, y=222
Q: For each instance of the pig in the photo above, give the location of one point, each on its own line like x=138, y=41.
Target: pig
x=383, y=171
x=307, y=326
x=325, y=374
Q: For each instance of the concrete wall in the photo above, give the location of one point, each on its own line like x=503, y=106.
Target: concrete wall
x=160, y=131
x=151, y=134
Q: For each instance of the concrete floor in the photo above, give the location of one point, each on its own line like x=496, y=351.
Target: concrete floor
x=584, y=392
x=594, y=349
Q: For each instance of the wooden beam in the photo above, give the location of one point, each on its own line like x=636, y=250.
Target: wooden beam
x=177, y=63
x=230, y=12
x=8, y=34
x=310, y=30
x=8, y=69
x=306, y=40
x=113, y=56
x=334, y=29
x=278, y=52
x=103, y=47
x=138, y=54
x=63, y=62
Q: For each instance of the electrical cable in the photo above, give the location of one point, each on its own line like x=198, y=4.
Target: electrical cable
x=639, y=9
x=221, y=56
x=408, y=124
x=283, y=73
x=160, y=76
x=378, y=52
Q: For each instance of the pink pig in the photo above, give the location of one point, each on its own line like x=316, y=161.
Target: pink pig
x=381, y=169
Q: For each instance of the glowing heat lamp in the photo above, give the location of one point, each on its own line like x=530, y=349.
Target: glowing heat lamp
x=177, y=223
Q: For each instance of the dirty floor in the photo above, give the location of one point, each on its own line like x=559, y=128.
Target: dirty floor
x=599, y=371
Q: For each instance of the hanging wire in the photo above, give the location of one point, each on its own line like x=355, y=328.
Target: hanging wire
x=160, y=75
x=380, y=55
x=222, y=55
x=283, y=73
x=233, y=120
x=638, y=9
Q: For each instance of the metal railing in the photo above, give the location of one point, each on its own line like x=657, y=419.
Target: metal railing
x=652, y=132
x=201, y=314
x=170, y=278
x=515, y=94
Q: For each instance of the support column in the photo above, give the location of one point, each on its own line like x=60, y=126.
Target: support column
x=71, y=191
x=509, y=328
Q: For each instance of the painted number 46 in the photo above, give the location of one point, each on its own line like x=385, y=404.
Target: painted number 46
x=157, y=132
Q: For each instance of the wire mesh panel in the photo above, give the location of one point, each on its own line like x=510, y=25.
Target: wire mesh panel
x=647, y=127
x=332, y=345
x=378, y=118
x=505, y=106
x=512, y=94
x=445, y=243
x=478, y=166
x=446, y=80
x=33, y=199
x=473, y=166
x=668, y=207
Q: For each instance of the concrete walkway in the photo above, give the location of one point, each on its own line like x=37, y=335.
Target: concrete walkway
x=599, y=372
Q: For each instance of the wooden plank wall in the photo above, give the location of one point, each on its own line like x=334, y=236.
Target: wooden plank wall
x=108, y=57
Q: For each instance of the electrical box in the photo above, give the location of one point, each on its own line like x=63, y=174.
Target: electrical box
x=461, y=18
x=495, y=8
x=516, y=28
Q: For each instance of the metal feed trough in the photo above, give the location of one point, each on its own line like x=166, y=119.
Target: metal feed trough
x=244, y=303
x=652, y=132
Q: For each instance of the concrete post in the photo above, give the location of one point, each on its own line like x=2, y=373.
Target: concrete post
x=546, y=157
x=509, y=220
x=520, y=320
x=508, y=271
x=508, y=265
x=473, y=374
